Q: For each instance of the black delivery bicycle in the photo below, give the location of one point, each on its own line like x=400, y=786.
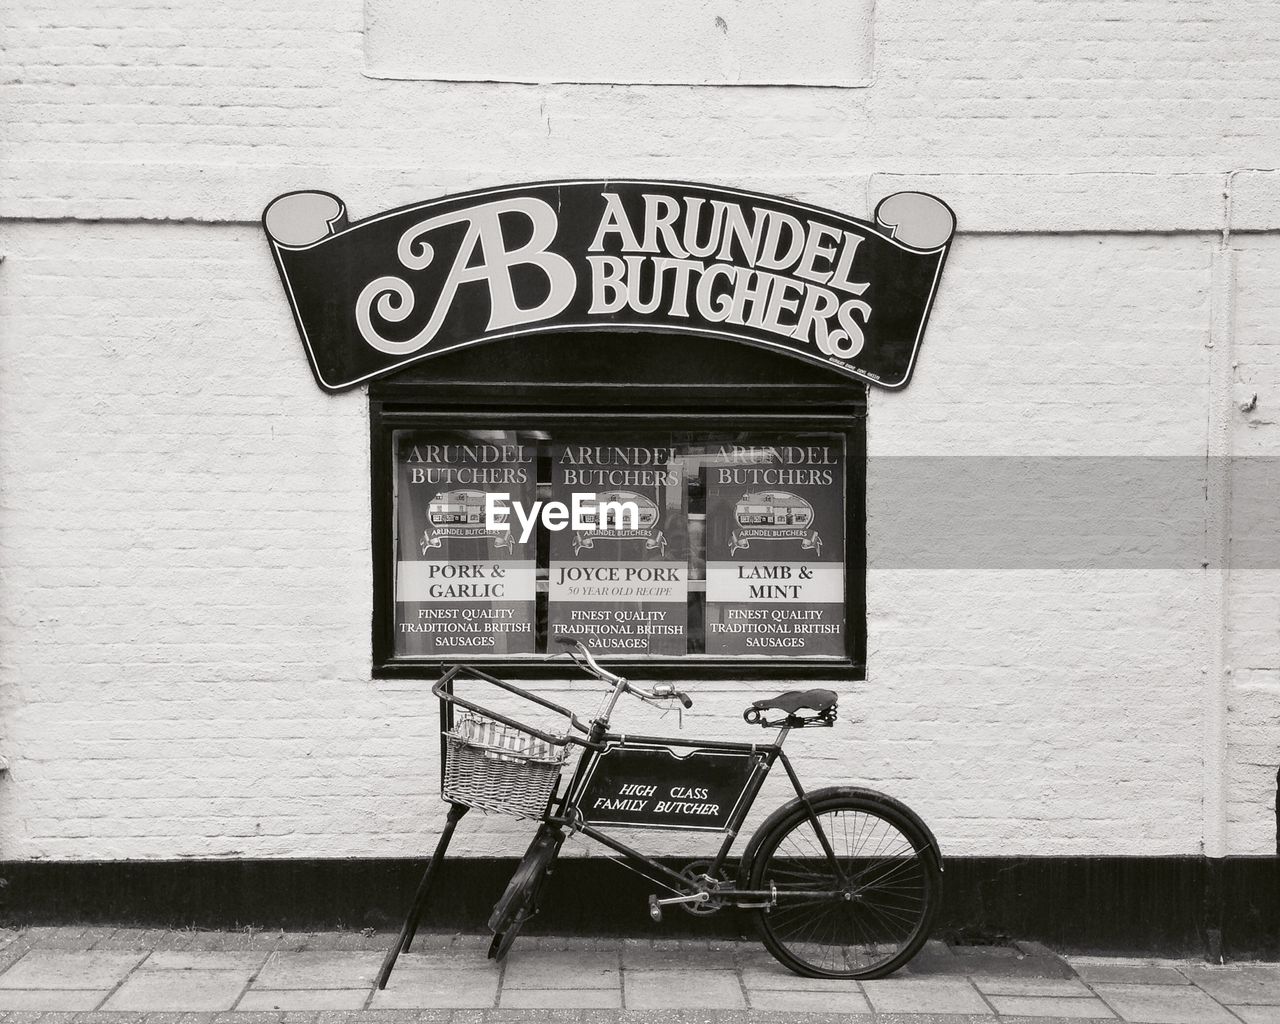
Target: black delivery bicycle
x=843, y=882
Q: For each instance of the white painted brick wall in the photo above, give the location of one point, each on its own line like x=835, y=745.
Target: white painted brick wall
x=1253, y=639
x=184, y=563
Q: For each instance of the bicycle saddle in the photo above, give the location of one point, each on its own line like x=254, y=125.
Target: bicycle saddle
x=817, y=701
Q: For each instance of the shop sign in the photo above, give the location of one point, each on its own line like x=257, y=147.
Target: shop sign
x=658, y=787
x=376, y=295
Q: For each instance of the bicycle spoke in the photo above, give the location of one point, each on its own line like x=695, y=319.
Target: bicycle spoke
x=878, y=889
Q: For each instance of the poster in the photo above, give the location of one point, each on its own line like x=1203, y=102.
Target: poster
x=622, y=587
x=775, y=549
x=462, y=589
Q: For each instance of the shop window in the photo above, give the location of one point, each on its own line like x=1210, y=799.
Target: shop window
x=719, y=539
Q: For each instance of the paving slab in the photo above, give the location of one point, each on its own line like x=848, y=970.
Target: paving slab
x=692, y=990
x=56, y=968
x=203, y=960
x=107, y=1017
x=134, y=938
x=811, y=1000
x=1031, y=960
x=552, y=1015
x=179, y=990
x=778, y=978
x=307, y=942
x=95, y=934
x=559, y=998
x=343, y=1016
x=1129, y=974
x=924, y=995
x=542, y=969
x=360, y=940
x=12, y=952
x=1071, y=1007
x=945, y=1018
x=330, y=969
x=418, y=986
x=1020, y=986
x=1242, y=984
x=51, y=999
x=639, y=958
x=1257, y=1014
x=70, y=937
x=248, y=1017
x=1163, y=1004
x=174, y=940
x=56, y=937
x=303, y=999
x=935, y=957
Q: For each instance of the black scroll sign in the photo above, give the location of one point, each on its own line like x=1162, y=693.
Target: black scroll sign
x=373, y=296
x=656, y=787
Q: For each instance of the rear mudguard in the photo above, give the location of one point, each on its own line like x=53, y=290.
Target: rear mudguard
x=749, y=854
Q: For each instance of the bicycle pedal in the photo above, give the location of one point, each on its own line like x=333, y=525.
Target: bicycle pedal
x=655, y=909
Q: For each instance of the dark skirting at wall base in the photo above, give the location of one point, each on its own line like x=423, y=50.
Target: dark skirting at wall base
x=1173, y=905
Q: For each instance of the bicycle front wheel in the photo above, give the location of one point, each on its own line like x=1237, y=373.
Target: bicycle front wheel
x=519, y=901
x=858, y=905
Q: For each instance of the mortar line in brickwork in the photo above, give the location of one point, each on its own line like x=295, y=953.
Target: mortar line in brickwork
x=1004, y=231
x=1228, y=202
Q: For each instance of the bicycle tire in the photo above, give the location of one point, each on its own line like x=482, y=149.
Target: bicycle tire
x=886, y=903
x=519, y=901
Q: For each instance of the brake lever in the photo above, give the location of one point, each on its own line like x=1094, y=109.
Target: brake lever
x=665, y=708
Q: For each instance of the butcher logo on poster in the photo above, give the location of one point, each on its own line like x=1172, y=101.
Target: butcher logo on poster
x=643, y=528
x=461, y=514
x=773, y=516
x=849, y=295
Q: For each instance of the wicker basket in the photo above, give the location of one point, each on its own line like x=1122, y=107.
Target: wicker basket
x=493, y=767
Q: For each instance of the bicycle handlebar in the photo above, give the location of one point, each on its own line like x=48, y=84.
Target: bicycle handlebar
x=661, y=691
x=592, y=666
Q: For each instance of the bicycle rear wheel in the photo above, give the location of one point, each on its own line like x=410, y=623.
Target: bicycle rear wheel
x=864, y=913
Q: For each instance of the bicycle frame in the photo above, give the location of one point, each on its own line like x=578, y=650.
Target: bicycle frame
x=564, y=810
x=568, y=813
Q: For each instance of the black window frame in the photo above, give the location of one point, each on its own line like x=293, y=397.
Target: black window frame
x=776, y=405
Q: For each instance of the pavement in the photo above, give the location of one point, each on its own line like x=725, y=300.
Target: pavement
x=104, y=975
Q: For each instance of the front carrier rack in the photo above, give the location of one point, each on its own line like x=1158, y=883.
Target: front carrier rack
x=491, y=761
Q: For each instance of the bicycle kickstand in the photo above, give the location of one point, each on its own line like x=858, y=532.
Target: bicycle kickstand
x=410, y=927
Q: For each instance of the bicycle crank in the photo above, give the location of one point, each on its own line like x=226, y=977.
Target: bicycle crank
x=656, y=905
